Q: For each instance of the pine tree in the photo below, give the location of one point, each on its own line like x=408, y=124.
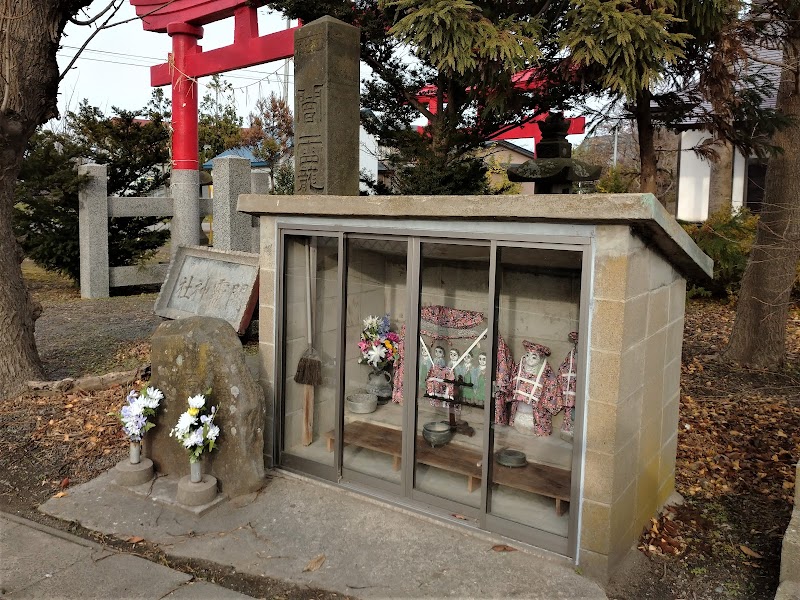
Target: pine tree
x=135, y=146
x=219, y=126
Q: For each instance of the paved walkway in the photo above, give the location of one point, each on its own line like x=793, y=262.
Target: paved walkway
x=37, y=561
x=370, y=550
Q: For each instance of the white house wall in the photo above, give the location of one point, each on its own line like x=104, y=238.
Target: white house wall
x=739, y=174
x=695, y=177
x=368, y=154
x=693, y=180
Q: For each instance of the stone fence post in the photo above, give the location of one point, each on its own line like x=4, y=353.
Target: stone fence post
x=260, y=184
x=184, y=229
x=231, y=228
x=93, y=232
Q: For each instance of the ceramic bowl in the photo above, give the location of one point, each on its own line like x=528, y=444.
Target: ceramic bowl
x=512, y=458
x=437, y=433
x=362, y=403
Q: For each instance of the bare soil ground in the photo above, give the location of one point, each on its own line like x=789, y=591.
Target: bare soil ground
x=738, y=443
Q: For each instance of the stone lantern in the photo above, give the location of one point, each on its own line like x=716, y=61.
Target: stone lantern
x=554, y=170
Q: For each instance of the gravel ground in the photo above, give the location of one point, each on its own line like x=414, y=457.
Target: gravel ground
x=80, y=337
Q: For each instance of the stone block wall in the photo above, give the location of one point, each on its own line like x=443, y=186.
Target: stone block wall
x=268, y=249
x=633, y=395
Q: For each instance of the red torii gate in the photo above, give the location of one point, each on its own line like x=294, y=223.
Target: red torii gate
x=182, y=20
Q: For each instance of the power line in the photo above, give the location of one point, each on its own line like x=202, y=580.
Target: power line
x=158, y=60
x=255, y=80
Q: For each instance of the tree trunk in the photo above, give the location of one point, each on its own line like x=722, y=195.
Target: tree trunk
x=759, y=331
x=30, y=31
x=647, y=146
x=720, y=187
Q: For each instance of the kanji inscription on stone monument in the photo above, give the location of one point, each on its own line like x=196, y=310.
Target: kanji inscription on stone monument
x=327, y=111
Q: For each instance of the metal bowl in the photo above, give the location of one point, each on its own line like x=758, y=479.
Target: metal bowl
x=362, y=403
x=512, y=458
x=437, y=433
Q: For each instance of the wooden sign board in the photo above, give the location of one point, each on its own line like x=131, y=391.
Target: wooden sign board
x=210, y=283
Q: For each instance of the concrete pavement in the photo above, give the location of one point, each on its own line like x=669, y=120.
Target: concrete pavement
x=37, y=561
x=371, y=550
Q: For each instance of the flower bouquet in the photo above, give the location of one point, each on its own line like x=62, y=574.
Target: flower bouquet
x=195, y=428
x=378, y=344
x=135, y=417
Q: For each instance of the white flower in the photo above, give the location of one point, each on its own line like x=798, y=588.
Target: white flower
x=149, y=401
x=136, y=407
x=198, y=401
x=155, y=394
x=194, y=439
x=376, y=354
x=213, y=432
x=185, y=421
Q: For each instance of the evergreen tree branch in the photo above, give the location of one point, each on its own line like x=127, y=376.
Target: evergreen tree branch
x=396, y=84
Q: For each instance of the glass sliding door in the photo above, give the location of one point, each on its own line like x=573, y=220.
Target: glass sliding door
x=310, y=380
x=537, y=305
x=376, y=302
x=453, y=349
x=449, y=373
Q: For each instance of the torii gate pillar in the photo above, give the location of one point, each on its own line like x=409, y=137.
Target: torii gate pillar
x=183, y=21
x=185, y=165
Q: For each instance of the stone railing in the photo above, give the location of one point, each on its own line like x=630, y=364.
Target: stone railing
x=232, y=230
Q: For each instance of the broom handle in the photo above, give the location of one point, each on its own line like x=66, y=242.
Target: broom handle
x=308, y=291
x=312, y=260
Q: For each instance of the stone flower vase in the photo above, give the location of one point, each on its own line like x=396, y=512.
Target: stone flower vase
x=136, y=469
x=195, y=471
x=196, y=489
x=135, y=452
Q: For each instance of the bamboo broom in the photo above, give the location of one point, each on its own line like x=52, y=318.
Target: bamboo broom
x=309, y=367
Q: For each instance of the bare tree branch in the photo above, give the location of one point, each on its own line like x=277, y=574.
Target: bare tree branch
x=759, y=59
x=94, y=18
x=92, y=36
x=106, y=25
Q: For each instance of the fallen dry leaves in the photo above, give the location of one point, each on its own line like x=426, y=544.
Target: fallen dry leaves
x=314, y=564
x=80, y=426
x=738, y=438
x=663, y=537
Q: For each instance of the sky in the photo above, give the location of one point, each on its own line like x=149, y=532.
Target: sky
x=114, y=68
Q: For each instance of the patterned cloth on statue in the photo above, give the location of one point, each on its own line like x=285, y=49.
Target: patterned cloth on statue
x=506, y=369
x=566, y=385
x=462, y=328
x=533, y=384
x=399, y=367
x=436, y=384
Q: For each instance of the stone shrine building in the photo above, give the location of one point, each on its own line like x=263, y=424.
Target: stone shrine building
x=540, y=336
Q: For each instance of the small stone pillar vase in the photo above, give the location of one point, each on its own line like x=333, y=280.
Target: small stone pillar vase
x=196, y=489
x=195, y=471
x=134, y=470
x=135, y=452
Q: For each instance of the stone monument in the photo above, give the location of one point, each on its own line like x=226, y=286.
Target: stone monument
x=326, y=108
x=190, y=356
